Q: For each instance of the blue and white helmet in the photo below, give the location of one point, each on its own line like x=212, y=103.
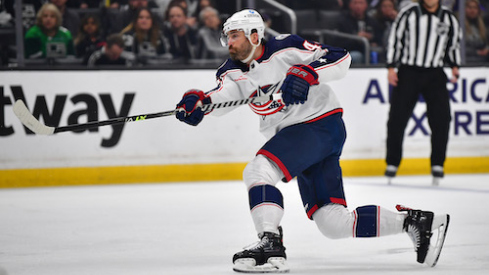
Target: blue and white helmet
x=246, y=20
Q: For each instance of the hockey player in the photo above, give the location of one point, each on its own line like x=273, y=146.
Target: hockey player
x=305, y=134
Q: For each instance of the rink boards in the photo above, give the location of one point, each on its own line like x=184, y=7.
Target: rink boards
x=164, y=149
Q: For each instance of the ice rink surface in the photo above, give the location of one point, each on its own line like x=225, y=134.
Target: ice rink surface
x=195, y=228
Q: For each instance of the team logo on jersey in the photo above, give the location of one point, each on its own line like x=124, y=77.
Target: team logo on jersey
x=269, y=107
x=281, y=36
x=442, y=29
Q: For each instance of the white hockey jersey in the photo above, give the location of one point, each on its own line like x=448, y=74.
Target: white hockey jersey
x=266, y=74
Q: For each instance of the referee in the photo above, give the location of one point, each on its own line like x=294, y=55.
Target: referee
x=424, y=37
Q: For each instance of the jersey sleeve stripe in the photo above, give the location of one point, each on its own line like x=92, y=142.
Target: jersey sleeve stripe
x=318, y=66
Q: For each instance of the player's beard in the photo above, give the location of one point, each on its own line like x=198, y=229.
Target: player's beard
x=242, y=53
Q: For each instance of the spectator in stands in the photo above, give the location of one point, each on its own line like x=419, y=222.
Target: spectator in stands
x=476, y=36
x=143, y=37
x=47, y=38
x=210, y=34
x=112, y=53
x=29, y=12
x=89, y=38
x=357, y=22
x=191, y=6
x=127, y=15
x=191, y=20
x=202, y=4
x=181, y=37
x=385, y=14
x=71, y=20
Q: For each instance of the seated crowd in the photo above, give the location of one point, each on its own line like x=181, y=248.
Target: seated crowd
x=372, y=20
x=135, y=34
x=142, y=32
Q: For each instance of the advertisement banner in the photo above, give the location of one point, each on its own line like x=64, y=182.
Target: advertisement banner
x=365, y=95
x=60, y=98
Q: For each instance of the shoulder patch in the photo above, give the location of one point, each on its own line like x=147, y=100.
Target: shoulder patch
x=289, y=41
x=281, y=36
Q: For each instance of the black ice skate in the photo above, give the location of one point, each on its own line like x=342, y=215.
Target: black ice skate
x=420, y=226
x=266, y=256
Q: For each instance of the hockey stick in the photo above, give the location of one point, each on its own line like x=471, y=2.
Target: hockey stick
x=21, y=111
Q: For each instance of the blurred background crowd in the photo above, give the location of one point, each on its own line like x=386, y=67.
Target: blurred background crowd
x=159, y=33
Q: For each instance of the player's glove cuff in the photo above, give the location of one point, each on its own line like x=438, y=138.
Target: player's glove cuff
x=295, y=88
x=188, y=109
x=190, y=100
x=305, y=72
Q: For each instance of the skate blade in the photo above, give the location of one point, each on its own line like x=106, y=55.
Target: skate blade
x=440, y=224
x=436, y=181
x=274, y=265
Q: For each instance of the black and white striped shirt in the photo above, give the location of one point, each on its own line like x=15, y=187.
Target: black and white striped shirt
x=423, y=39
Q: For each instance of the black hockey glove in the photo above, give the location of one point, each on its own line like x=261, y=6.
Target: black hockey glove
x=297, y=82
x=189, y=107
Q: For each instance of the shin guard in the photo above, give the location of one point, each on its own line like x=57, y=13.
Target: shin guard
x=267, y=207
x=376, y=221
x=366, y=221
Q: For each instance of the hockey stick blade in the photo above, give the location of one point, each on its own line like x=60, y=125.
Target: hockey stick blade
x=21, y=111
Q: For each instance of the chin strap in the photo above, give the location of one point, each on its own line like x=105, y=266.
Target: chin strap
x=248, y=59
